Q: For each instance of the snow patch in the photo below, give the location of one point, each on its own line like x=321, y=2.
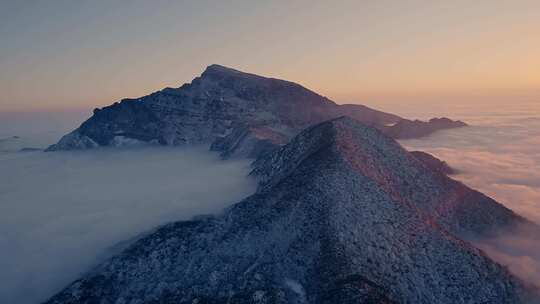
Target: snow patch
x=297, y=288
x=124, y=141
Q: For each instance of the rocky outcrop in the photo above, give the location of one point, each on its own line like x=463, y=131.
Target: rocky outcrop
x=343, y=214
x=214, y=108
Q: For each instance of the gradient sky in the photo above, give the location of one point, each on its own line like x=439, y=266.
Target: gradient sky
x=80, y=54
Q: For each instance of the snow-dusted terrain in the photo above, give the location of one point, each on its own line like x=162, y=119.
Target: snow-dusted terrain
x=499, y=155
x=240, y=114
x=343, y=214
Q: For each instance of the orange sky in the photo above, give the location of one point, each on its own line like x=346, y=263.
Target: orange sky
x=58, y=55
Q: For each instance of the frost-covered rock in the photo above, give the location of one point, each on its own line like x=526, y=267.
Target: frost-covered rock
x=74, y=141
x=343, y=214
x=212, y=107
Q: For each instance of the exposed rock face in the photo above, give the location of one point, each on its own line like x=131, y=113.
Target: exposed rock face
x=433, y=163
x=343, y=214
x=215, y=105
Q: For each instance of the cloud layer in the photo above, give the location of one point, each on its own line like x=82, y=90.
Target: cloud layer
x=518, y=249
x=500, y=158
x=502, y=161
x=61, y=212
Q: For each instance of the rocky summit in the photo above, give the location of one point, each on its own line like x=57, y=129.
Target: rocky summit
x=239, y=114
x=342, y=214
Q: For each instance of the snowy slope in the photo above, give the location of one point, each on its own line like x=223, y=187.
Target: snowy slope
x=343, y=214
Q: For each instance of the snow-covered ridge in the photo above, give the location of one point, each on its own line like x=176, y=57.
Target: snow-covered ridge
x=399, y=173
x=222, y=102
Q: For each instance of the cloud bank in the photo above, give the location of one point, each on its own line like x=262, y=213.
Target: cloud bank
x=501, y=159
x=60, y=213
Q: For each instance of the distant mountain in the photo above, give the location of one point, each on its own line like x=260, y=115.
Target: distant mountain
x=343, y=214
x=239, y=113
x=406, y=129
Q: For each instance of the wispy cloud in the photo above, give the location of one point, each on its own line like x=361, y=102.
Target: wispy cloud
x=519, y=249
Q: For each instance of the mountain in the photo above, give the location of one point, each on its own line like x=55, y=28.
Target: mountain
x=407, y=129
x=238, y=113
x=342, y=214
x=433, y=163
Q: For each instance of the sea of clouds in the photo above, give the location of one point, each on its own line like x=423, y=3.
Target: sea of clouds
x=502, y=161
x=499, y=155
x=63, y=212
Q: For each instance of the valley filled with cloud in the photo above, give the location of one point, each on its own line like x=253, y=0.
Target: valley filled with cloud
x=61, y=213
x=499, y=155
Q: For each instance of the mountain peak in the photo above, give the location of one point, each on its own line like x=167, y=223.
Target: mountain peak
x=217, y=68
x=345, y=137
x=403, y=176
x=220, y=71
